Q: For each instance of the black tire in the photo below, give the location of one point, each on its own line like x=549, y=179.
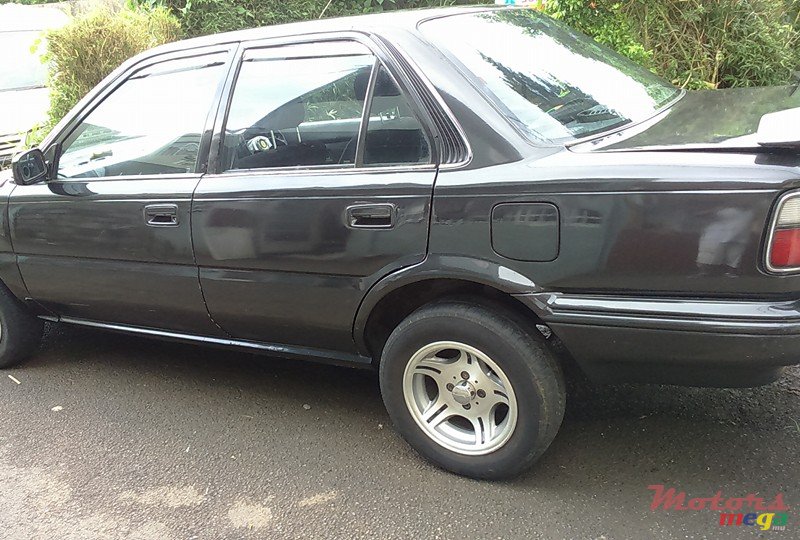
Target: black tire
x=531, y=369
x=20, y=331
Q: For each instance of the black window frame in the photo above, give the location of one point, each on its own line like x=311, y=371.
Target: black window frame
x=125, y=73
x=324, y=41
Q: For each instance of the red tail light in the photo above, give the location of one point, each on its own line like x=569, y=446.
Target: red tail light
x=784, y=241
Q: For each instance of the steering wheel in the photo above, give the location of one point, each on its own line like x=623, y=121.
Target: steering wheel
x=265, y=142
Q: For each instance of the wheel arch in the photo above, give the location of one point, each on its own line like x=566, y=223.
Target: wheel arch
x=399, y=294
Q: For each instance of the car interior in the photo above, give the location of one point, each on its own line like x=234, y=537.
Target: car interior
x=286, y=137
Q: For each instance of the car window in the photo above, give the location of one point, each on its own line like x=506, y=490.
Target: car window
x=152, y=124
x=394, y=135
x=550, y=81
x=290, y=111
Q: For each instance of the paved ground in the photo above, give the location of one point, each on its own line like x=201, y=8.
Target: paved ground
x=161, y=441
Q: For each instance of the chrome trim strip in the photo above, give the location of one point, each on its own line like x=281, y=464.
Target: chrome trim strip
x=320, y=170
x=290, y=351
x=684, y=315
x=771, y=234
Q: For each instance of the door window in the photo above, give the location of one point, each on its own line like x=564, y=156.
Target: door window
x=289, y=110
x=394, y=135
x=150, y=125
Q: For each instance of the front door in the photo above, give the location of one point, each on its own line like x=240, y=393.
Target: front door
x=109, y=239
x=325, y=187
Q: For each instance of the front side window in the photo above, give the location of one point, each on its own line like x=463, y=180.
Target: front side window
x=550, y=81
x=150, y=125
x=291, y=110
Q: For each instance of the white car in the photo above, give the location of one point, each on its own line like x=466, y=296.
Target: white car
x=24, y=98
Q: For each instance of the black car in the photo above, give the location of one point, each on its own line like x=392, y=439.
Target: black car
x=467, y=199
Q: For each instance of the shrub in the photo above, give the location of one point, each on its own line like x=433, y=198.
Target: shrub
x=604, y=22
x=92, y=45
x=200, y=17
x=718, y=43
x=696, y=43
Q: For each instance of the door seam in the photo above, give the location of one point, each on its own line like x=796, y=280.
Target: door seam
x=197, y=266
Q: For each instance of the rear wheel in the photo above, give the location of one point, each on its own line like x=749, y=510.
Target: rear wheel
x=471, y=389
x=20, y=332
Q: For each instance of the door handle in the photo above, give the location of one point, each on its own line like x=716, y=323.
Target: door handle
x=371, y=216
x=161, y=215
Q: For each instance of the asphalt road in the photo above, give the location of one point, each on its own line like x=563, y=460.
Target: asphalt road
x=110, y=436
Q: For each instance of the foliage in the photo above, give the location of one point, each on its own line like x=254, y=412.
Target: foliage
x=200, y=17
x=604, y=22
x=718, y=43
x=93, y=44
x=696, y=43
x=26, y=2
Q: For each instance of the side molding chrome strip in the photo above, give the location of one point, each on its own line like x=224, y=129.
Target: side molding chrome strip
x=286, y=351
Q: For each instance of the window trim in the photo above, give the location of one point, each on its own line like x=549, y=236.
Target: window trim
x=382, y=58
x=358, y=162
x=384, y=43
x=80, y=115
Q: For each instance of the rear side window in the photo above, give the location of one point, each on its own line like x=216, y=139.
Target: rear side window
x=394, y=135
x=150, y=125
x=292, y=107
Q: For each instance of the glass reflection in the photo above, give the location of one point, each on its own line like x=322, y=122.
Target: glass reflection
x=552, y=82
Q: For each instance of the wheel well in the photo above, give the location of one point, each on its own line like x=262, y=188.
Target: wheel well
x=400, y=303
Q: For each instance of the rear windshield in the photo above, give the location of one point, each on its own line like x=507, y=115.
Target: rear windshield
x=552, y=82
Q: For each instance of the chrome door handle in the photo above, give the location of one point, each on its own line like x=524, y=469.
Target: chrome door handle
x=161, y=215
x=371, y=216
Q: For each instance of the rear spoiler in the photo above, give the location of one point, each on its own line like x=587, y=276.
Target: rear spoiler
x=780, y=129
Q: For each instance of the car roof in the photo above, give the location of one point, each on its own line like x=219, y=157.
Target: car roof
x=403, y=19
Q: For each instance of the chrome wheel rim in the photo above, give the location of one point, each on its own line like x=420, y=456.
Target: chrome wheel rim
x=460, y=398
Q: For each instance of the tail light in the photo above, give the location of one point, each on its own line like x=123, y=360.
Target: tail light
x=783, y=249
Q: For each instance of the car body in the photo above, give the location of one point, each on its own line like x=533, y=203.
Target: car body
x=24, y=97
x=639, y=246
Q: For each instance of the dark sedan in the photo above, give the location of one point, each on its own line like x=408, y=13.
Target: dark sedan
x=467, y=199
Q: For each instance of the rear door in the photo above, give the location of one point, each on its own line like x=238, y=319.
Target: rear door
x=324, y=185
x=109, y=239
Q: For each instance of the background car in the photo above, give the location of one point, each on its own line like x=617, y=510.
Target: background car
x=24, y=98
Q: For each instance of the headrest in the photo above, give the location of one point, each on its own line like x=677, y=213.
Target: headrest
x=287, y=116
x=384, y=85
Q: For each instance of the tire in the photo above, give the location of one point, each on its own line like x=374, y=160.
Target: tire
x=20, y=332
x=497, y=439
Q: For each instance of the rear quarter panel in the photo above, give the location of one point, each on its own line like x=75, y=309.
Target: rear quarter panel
x=630, y=222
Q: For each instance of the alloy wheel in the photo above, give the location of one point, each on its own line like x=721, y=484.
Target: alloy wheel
x=460, y=398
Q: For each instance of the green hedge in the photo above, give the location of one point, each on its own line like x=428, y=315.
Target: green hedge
x=93, y=44
x=696, y=43
x=201, y=17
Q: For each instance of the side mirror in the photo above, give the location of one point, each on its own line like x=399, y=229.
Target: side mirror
x=29, y=167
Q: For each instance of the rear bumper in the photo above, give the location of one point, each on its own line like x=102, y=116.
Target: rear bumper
x=674, y=341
